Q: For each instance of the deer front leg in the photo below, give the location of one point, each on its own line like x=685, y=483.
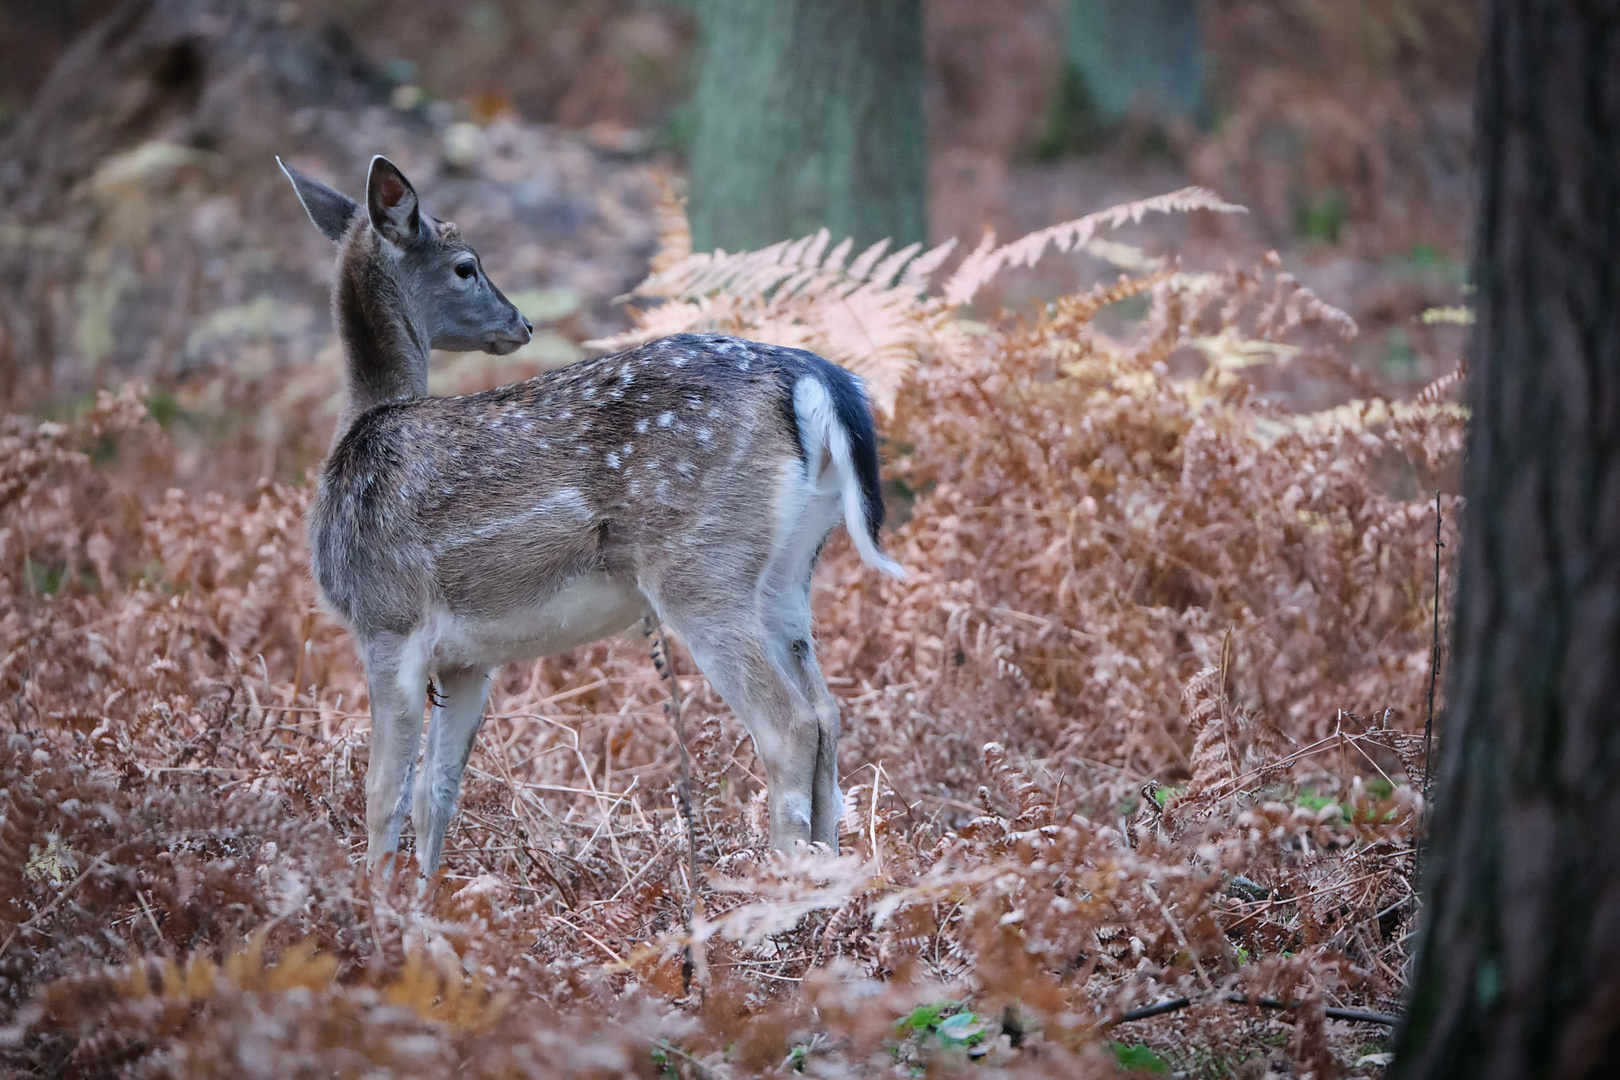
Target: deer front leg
x=787, y=740
x=456, y=719
x=398, y=685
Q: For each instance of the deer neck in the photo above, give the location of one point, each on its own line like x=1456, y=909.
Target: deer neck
x=385, y=352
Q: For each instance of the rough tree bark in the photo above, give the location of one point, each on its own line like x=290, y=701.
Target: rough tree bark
x=1137, y=53
x=1518, y=968
x=809, y=113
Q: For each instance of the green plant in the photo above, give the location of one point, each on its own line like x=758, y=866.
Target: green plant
x=1072, y=123
x=1400, y=359
x=948, y=1022
x=663, y=1061
x=1321, y=218
x=1310, y=800
x=1164, y=796
x=1428, y=259
x=1138, y=1057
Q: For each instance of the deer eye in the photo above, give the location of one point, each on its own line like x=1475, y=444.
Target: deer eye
x=465, y=270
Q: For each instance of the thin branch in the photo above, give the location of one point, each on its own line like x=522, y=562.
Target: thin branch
x=1434, y=656
x=1170, y=1005
x=665, y=663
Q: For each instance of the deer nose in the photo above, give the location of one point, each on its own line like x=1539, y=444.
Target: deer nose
x=528, y=327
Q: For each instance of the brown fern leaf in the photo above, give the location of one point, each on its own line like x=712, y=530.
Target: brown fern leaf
x=1438, y=391
x=987, y=260
x=1081, y=309
x=1203, y=709
x=870, y=314
x=674, y=229
x=1034, y=805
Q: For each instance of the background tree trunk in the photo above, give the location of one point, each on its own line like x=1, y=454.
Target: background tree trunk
x=1518, y=968
x=809, y=113
x=1137, y=53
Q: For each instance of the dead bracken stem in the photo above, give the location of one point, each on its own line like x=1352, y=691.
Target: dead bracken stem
x=665, y=663
x=1434, y=677
x=1225, y=705
x=1175, y=928
x=871, y=818
x=1434, y=655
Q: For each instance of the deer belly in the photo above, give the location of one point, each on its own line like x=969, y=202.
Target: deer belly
x=587, y=608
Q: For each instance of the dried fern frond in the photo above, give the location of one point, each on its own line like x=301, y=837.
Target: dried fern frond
x=1456, y=316
x=987, y=260
x=1358, y=415
x=1208, y=715
x=674, y=228
x=869, y=314
x=1436, y=392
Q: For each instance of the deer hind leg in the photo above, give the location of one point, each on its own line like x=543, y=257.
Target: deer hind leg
x=457, y=716
x=397, y=682
x=795, y=653
x=757, y=671
x=827, y=802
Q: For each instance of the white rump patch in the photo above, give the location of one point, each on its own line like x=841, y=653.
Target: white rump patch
x=823, y=433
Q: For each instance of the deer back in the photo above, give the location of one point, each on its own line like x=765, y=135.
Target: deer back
x=625, y=466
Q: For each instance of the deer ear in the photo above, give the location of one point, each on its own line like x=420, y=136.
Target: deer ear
x=330, y=210
x=392, y=203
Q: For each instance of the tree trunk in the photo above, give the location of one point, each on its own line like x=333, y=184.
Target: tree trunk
x=809, y=114
x=1137, y=53
x=1518, y=967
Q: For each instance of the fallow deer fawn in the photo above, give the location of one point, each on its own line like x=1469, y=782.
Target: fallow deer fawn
x=693, y=479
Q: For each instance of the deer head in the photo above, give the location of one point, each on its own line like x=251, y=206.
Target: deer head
x=407, y=283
